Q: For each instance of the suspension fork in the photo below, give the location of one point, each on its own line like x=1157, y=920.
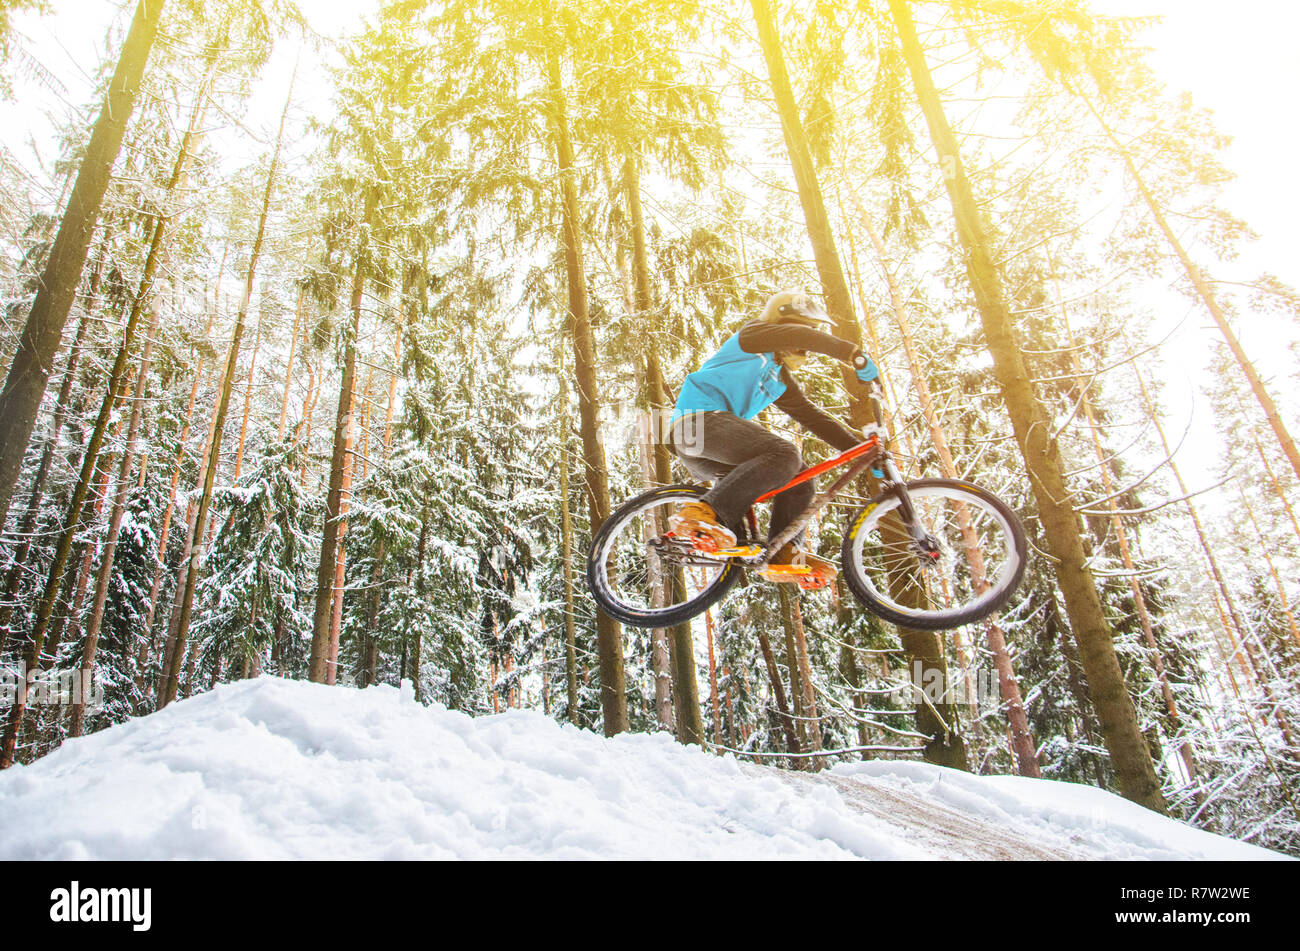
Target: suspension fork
x=906, y=510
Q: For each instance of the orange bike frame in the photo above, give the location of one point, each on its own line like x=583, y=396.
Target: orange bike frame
x=861, y=449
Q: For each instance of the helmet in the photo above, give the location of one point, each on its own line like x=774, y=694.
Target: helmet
x=794, y=307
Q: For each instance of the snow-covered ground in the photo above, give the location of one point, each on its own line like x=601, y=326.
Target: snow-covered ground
x=271, y=769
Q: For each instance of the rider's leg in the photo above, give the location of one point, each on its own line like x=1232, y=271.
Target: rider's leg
x=696, y=519
x=788, y=506
x=744, y=458
x=747, y=461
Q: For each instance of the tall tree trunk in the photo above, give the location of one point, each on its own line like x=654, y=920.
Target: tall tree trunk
x=566, y=555
x=796, y=678
x=368, y=649
x=288, y=368
x=1061, y=525
x=363, y=433
x=323, y=646
x=714, y=699
x=839, y=304
x=422, y=590
x=341, y=552
x=937, y=719
x=171, y=674
x=91, y=644
x=852, y=677
x=660, y=654
x=248, y=391
x=807, y=698
x=24, y=386
x=609, y=636
x=304, y=426
x=778, y=695
x=546, y=683
x=1079, y=690
x=681, y=648
x=392, y=388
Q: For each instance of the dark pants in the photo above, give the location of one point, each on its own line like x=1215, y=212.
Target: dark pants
x=744, y=461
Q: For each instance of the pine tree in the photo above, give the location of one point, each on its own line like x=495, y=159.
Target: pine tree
x=939, y=720
x=171, y=674
x=28, y=374
x=1129, y=754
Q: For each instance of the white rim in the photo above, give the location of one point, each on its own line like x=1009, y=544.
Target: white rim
x=997, y=583
x=601, y=556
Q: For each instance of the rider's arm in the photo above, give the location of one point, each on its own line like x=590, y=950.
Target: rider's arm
x=825, y=427
x=759, y=337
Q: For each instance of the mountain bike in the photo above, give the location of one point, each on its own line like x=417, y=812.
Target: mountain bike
x=928, y=554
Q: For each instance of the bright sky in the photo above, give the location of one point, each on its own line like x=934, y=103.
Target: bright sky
x=1239, y=60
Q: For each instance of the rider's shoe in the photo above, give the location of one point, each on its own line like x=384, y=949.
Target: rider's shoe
x=804, y=568
x=698, y=522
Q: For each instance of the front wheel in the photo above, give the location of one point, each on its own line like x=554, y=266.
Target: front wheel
x=642, y=579
x=969, y=564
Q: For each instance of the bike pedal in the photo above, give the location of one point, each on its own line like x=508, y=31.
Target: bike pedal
x=703, y=542
x=775, y=572
x=813, y=582
x=740, y=551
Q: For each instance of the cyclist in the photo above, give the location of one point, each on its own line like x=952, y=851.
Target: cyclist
x=712, y=429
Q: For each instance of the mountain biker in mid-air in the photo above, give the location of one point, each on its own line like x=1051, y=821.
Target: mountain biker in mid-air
x=713, y=432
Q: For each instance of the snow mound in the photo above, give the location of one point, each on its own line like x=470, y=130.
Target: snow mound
x=276, y=769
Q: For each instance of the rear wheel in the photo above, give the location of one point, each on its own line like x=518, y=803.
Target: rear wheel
x=969, y=565
x=640, y=578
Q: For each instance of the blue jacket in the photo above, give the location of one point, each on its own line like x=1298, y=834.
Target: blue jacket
x=732, y=380
x=744, y=377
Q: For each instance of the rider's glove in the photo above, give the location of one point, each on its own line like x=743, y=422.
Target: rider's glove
x=866, y=367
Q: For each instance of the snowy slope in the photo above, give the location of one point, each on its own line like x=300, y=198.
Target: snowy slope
x=270, y=768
